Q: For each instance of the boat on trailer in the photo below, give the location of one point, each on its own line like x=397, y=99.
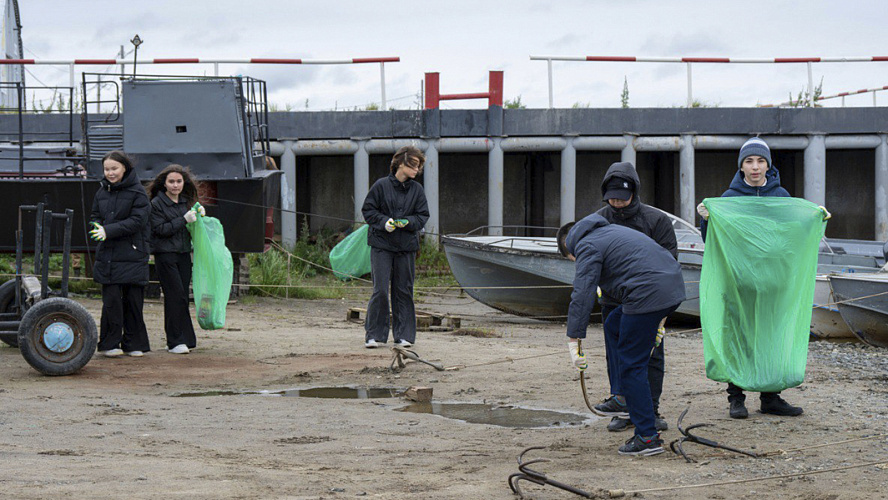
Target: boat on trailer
x=862, y=301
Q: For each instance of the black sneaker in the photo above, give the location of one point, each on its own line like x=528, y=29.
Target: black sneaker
x=777, y=406
x=618, y=424
x=738, y=409
x=660, y=422
x=610, y=407
x=645, y=447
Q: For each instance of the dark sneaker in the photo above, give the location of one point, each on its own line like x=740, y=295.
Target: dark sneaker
x=777, y=406
x=611, y=407
x=738, y=409
x=642, y=446
x=660, y=423
x=618, y=424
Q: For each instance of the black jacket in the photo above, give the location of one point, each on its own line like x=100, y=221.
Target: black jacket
x=123, y=210
x=390, y=198
x=626, y=264
x=643, y=218
x=168, y=232
x=739, y=187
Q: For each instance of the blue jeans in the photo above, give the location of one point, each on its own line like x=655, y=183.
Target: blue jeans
x=656, y=366
x=634, y=335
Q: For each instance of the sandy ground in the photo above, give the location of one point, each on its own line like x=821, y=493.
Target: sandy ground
x=116, y=429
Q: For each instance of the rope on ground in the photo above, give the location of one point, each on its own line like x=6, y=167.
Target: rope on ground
x=621, y=493
x=805, y=448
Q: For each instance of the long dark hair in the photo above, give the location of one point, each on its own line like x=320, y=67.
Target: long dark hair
x=189, y=190
x=120, y=157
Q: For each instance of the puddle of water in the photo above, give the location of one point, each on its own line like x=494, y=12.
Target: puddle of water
x=502, y=416
x=315, y=392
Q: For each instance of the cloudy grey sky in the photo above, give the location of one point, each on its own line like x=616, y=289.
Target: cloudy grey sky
x=463, y=40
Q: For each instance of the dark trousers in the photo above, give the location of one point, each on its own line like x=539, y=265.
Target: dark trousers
x=393, y=270
x=656, y=365
x=634, y=336
x=736, y=393
x=123, y=326
x=174, y=272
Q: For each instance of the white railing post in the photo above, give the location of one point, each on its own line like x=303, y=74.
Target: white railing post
x=690, y=87
x=551, y=92
x=810, y=85
x=382, y=82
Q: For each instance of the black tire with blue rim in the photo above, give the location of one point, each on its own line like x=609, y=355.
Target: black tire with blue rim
x=57, y=336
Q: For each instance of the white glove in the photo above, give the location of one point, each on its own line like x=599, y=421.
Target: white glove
x=701, y=209
x=578, y=358
x=826, y=214
x=202, y=211
x=98, y=232
x=390, y=225
x=190, y=216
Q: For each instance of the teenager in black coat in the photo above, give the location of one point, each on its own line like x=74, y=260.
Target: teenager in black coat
x=173, y=192
x=396, y=211
x=119, y=221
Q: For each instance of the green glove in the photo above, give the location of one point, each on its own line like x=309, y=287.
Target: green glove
x=399, y=223
x=98, y=232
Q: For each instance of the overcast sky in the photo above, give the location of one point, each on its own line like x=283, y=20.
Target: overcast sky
x=463, y=40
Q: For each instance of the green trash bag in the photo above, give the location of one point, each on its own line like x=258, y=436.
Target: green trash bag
x=351, y=257
x=757, y=288
x=212, y=271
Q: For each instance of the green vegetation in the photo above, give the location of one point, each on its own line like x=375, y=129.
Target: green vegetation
x=624, y=97
x=805, y=99
x=514, y=103
x=79, y=285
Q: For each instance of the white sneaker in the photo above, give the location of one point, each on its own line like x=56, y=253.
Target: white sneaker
x=371, y=344
x=110, y=353
x=135, y=354
x=403, y=343
x=179, y=349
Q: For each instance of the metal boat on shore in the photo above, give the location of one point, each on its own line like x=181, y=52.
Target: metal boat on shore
x=862, y=301
x=526, y=276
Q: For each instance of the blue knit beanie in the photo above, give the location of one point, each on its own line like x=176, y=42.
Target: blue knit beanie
x=754, y=147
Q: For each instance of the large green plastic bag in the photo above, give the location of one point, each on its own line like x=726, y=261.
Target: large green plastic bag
x=756, y=290
x=212, y=271
x=351, y=256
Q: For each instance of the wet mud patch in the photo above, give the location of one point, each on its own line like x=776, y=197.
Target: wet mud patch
x=499, y=415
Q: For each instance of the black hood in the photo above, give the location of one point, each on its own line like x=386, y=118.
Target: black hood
x=626, y=171
x=129, y=180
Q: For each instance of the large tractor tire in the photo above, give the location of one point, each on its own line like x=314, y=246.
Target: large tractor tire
x=7, y=305
x=57, y=336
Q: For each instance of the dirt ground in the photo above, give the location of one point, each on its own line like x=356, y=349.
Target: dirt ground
x=117, y=429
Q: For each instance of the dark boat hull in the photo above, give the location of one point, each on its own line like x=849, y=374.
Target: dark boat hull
x=867, y=318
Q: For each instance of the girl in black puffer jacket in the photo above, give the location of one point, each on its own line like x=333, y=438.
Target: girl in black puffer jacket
x=119, y=219
x=173, y=193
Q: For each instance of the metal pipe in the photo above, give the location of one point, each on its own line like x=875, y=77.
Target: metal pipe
x=568, y=182
x=517, y=144
x=881, y=185
x=389, y=146
x=47, y=234
x=815, y=169
x=431, y=186
x=599, y=143
x=628, y=152
x=810, y=85
x=690, y=88
x=852, y=141
x=288, y=194
x=325, y=147
x=9, y=326
x=362, y=177
x=467, y=145
x=66, y=250
x=687, y=187
x=660, y=143
x=495, y=188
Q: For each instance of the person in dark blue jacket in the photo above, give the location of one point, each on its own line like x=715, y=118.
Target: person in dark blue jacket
x=119, y=219
x=646, y=280
x=756, y=176
x=396, y=211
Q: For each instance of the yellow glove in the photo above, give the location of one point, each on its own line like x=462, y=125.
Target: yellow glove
x=826, y=214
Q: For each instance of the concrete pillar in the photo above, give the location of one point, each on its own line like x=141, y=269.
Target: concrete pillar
x=882, y=189
x=628, y=152
x=686, y=187
x=568, y=182
x=815, y=169
x=362, y=176
x=495, y=187
x=431, y=183
x=288, y=196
